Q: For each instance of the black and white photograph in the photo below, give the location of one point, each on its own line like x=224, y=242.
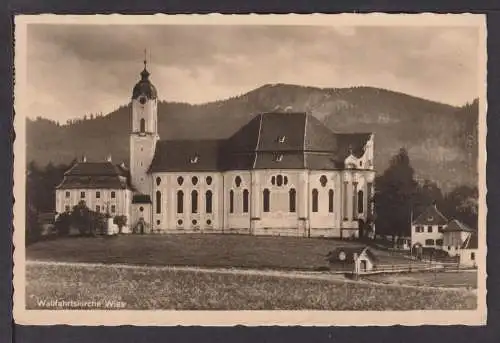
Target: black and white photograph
x=250, y=169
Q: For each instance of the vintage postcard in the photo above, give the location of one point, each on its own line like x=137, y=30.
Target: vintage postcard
x=250, y=170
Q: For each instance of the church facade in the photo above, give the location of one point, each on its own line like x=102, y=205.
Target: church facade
x=280, y=174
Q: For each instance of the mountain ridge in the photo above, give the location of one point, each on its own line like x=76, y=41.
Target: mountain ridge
x=441, y=139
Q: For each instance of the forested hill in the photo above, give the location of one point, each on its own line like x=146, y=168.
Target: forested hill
x=441, y=139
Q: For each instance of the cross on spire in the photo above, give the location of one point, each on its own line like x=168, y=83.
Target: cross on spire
x=145, y=58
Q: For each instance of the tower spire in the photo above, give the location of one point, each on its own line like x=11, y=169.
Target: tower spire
x=145, y=73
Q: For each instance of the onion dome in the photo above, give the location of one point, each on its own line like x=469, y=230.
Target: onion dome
x=144, y=88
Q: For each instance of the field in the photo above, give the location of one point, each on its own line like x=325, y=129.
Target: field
x=429, y=279
x=155, y=288
x=285, y=253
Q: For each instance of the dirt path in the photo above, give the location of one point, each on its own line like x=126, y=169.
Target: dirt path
x=328, y=276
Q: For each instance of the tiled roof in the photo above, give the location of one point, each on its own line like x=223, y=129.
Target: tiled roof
x=186, y=155
x=456, y=225
x=431, y=216
x=94, y=175
x=270, y=140
x=95, y=168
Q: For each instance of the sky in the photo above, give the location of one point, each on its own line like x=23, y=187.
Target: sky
x=73, y=70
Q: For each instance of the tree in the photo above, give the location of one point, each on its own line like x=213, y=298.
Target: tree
x=427, y=193
x=462, y=203
x=82, y=220
x=394, y=195
x=63, y=224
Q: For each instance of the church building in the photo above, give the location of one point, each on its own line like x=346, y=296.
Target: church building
x=280, y=174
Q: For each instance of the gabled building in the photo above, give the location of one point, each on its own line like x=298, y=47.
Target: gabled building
x=455, y=235
x=427, y=228
x=280, y=174
x=468, y=251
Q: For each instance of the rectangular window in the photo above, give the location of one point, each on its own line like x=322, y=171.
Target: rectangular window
x=245, y=201
x=98, y=208
x=429, y=229
x=113, y=208
x=98, y=195
x=472, y=256
x=315, y=200
x=82, y=195
x=440, y=228
x=113, y=195
x=345, y=204
x=67, y=194
x=231, y=201
x=354, y=200
x=330, y=201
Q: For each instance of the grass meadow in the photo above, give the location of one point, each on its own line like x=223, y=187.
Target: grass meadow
x=203, y=250
x=147, y=288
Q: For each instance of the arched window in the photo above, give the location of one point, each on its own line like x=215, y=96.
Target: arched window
x=315, y=200
x=194, y=201
x=231, y=201
x=158, y=202
x=330, y=201
x=361, y=201
x=292, y=199
x=245, y=201
x=266, y=204
x=143, y=125
x=208, y=202
x=180, y=201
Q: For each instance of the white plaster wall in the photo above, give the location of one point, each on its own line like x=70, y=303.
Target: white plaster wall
x=147, y=112
x=323, y=219
x=466, y=257
x=142, y=145
x=238, y=221
x=279, y=220
x=121, y=200
x=420, y=237
x=169, y=218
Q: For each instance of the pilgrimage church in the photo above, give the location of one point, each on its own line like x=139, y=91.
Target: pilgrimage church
x=280, y=174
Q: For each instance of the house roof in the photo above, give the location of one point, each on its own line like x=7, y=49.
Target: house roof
x=346, y=254
x=94, y=175
x=268, y=141
x=456, y=225
x=431, y=216
x=471, y=242
x=186, y=155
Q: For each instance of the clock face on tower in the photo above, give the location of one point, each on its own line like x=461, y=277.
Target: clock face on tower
x=142, y=100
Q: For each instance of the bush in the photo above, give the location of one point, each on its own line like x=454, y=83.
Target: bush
x=63, y=224
x=120, y=221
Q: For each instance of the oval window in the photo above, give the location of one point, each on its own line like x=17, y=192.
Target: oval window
x=194, y=222
x=194, y=180
x=209, y=222
x=179, y=222
x=209, y=180
x=279, y=180
x=141, y=209
x=323, y=180
x=237, y=181
x=158, y=181
x=180, y=180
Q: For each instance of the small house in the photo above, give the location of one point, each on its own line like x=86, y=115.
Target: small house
x=427, y=228
x=455, y=235
x=355, y=259
x=468, y=252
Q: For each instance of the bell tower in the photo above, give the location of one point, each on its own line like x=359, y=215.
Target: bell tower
x=144, y=133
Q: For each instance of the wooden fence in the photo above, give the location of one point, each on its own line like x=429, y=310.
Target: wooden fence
x=411, y=267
